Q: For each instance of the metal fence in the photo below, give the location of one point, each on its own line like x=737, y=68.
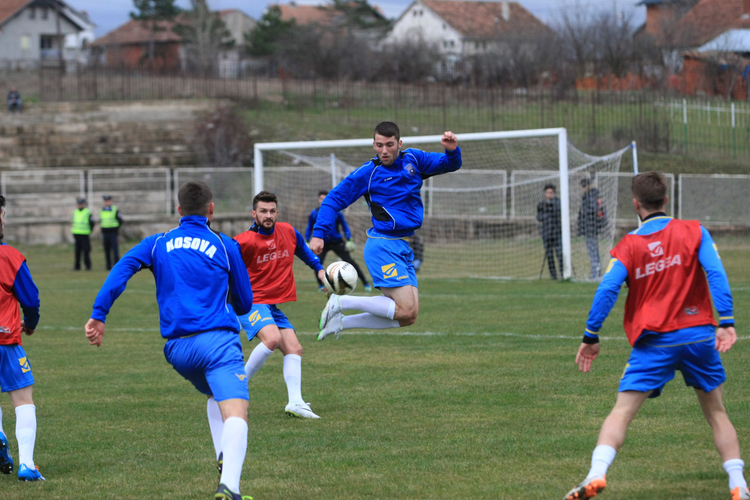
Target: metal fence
x=657, y=120
x=714, y=200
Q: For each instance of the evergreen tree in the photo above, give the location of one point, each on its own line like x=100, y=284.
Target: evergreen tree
x=264, y=39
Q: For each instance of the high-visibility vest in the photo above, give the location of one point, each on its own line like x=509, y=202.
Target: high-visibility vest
x=108, y=218
x=81, y=221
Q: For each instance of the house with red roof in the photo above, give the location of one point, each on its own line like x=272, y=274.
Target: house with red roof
x=464, y=28
x=128, y=45
x=696, y=34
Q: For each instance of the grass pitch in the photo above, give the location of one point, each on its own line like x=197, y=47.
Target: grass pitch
x=479, y=399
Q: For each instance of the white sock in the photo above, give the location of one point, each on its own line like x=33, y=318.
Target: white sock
x=234, y=446
x=601, y=459
x=257, y=359
x=736, y=477
x=367, y=320
x=26, y=434
x=216, y=423
x=293, y=378
x=379, y=306
x=1, y=421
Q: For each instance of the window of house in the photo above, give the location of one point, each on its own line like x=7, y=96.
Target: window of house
x=25, y=42
x=44, y=13
x=443, y=25
x=45, y=42
x=32, y=13
x=421, y=12
x=453, y=43
x=416, y=13
x=445, y=44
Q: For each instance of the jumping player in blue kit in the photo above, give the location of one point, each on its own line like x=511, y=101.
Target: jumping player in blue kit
x=201, y=287
x=391, y=184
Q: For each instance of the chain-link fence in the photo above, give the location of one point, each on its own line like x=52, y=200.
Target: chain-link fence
x=715, y=199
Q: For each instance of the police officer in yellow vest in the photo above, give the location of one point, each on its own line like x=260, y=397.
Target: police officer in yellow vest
x=82, y=226
x=110, y=221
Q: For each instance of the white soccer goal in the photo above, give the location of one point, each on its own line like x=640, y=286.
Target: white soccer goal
x=479, y=221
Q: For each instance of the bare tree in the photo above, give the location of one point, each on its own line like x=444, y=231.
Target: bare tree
x=614, y=43
x=577, y=29
x=204, y=34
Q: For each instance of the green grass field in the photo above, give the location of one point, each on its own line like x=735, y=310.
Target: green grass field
x=479, y=399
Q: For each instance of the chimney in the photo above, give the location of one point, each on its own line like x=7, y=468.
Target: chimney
x=746, y=7
x=506, y=10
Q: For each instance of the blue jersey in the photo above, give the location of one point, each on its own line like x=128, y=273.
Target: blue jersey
x=392, y=192
x=201, y=281
x=617, y=274
x=333, y=234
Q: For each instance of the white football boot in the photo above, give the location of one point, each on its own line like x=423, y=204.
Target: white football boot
x=300, y=410
x=332, y=308
x=334, y=325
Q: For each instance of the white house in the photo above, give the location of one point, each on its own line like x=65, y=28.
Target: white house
x=35, y=30
x=460, y=28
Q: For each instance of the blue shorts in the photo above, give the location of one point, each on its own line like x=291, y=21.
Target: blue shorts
x=390, y=262
x=212, y=362
x=263, y=315
x=655, y=358
x=15, y=370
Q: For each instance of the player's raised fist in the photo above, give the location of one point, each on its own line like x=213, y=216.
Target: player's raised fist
x=449, y=141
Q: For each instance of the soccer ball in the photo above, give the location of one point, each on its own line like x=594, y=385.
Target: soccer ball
x=341, y=278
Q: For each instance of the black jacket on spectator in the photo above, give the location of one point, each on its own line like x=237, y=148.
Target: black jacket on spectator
x=548, y=213
x=592, y=216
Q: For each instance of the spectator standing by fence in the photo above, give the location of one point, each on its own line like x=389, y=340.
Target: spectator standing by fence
x=592, y=219
x=548, y=213
x=83, y=224
x=110, y=221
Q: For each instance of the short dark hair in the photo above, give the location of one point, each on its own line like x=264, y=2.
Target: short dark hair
x=387, y=129
x=550, y=186
x=266, y=197
x=585, y=182
x=194, y=198
x=650, y=189
x=2, y=201
x=322, y=193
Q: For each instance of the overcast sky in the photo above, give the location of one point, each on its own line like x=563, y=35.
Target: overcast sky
x=111, y=14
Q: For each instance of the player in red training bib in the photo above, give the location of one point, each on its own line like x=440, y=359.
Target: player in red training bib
x=670, y=323
x=17, y=287
x=268, y=249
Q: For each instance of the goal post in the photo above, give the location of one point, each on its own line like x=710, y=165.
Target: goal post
x=477, y=195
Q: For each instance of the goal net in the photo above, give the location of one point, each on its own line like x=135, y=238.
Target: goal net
x=480, y=221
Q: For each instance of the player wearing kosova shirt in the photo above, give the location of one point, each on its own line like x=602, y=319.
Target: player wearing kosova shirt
x=268, y=250
x=15, y=371
x=670, y=323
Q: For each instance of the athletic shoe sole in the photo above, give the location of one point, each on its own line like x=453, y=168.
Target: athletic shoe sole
x=584, y=491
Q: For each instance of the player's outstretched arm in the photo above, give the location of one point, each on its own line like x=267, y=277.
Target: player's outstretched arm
x=94, y=331
x=725, y=338
x=449, y=141
x=587, y=353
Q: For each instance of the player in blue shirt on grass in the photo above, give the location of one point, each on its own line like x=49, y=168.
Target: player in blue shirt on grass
x=201, y=287
x=391, y=184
